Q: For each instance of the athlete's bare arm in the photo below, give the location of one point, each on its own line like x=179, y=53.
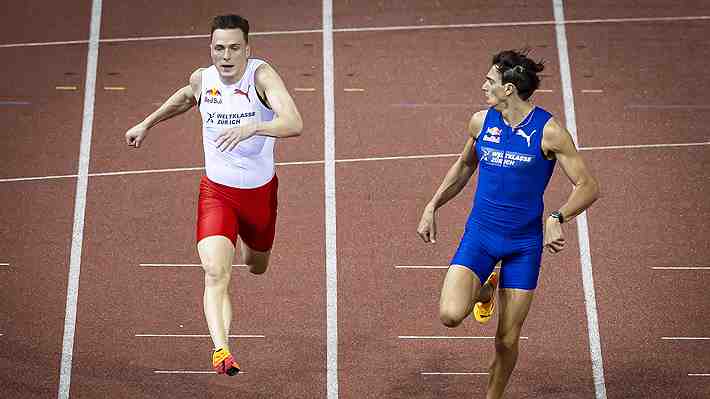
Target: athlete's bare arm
x=287, y=120
x=183, y=99
x=557, y=142
x=454, y=181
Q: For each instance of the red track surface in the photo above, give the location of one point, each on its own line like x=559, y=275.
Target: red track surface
x=420, y=88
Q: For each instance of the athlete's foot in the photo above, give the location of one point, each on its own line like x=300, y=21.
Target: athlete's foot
x=483, y=309
x=223, y=362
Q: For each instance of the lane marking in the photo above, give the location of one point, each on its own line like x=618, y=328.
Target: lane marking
x=378, y=29
x=331, y=253
x=346, y=160
x=193, y=336
x=65, y=88
x=191, y=372
x=434, y=105
x=179, y=265
x=590, y=301
x=667, y=106
x=641, y=146
x=698, y=375
x=4, y=264
x=426, y=267
x=12, y=102
x=686, y=338
x=353, y=89
x=592, y=91
x=304, y=89
x=681, y=268
x=444, y=337
x=80, y=203
x=114, y=88
x=449, y=373
x=397, y=158
x=543, y=91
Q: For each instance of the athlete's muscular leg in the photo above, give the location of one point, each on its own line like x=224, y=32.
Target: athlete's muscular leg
x=514, y=305
x=217, y=254
x=257, y=261
x=461, y=286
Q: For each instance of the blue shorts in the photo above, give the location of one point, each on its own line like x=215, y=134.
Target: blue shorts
x=481, y=248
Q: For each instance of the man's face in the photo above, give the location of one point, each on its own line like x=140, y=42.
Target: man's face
x=493, y=89
x=229, y=52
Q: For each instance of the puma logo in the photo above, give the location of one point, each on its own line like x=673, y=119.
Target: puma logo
x=243, y=93
x=210, y=117
x=521, y=133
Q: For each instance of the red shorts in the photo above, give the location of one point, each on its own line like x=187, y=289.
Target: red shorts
x=249, y=213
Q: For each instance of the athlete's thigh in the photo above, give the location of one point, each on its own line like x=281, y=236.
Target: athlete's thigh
x=514, y=305
x=521, y=267
x=257, y=216
x=460, y=286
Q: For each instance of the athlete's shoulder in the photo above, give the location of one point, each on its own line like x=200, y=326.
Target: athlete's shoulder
x=555, y=137
x=475, y=124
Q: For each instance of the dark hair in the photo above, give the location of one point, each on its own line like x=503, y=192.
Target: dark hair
x=231, y=21
x=515, y=67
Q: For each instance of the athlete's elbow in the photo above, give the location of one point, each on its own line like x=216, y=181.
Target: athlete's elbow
x=296, y=127
x=595, y=190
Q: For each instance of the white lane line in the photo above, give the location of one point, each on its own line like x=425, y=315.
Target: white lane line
x=698, y=375
x=592, y=91
x=80, y=203
x=4, y=264
x=667, y=106
x=304, y=89
x=331, y=253
x=353, y=89
x=681, y=268
x=379, y=29
x=595, y=349
x=190, y=372
x=639, y=146
x=449, y=373
x=15, y=179
x=65, y=88
x=686, y=338
x=397, y=158
x=179, y=265
x=543, y=91
x=346, y=160
x=194, y=336
x=444, y=337
x=435, y=105
x=420, y=267
x=139, y=172
x=12, y=102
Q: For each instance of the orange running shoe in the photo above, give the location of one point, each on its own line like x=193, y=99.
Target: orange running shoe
x=223, y=362
x=483, y=312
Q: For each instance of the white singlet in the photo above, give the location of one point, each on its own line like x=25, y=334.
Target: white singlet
x=251, y=163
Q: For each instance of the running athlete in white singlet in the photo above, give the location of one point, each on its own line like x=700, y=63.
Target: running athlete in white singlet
x=244, y=106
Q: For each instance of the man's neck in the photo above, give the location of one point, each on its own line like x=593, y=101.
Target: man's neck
x=516, y=111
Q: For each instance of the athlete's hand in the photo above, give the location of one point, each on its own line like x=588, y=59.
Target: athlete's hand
x=427, y=225
x=554, y=241
x=231, y=137
x=136, y=135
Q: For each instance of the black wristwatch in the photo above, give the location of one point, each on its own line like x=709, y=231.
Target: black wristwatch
x=558, y=215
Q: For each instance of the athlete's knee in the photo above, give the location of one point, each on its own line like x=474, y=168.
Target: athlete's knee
x=506, y=342
x=215, y=273
x=257, y=267
x=450, y=317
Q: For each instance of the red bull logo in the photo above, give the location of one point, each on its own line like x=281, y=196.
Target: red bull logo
x=214, y=92
x=213, y=96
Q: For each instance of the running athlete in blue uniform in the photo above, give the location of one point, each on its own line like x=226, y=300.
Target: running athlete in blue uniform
x=515, y=146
